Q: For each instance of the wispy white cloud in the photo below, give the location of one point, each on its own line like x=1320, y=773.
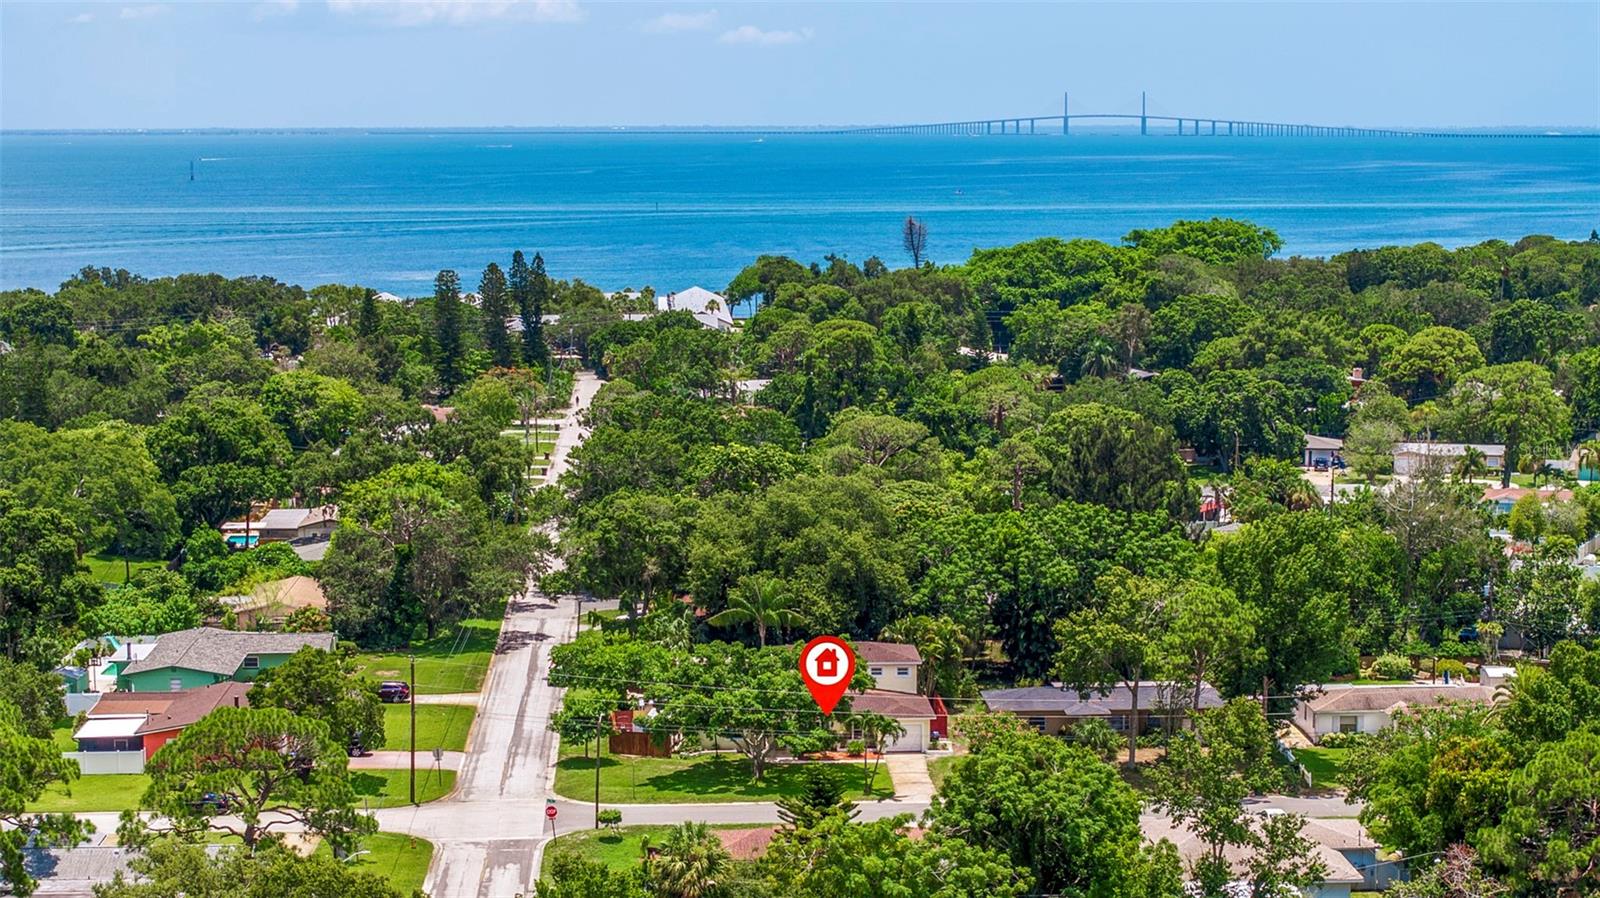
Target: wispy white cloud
x=267, y=9
x=147, y=11
x=460, y=12
x=82, y=18
x=750, y=34
x=669, y=22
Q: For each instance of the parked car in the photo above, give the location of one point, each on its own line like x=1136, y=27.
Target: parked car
x=1320, y=464
x=393, y=692
x=215, y=802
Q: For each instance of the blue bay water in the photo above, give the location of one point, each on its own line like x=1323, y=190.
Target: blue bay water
x=388, y=210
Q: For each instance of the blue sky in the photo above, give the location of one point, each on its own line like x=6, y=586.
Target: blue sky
x=322, y=63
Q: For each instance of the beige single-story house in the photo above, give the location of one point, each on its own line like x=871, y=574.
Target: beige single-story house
x=1369, y=709
x=1348, y=853
x=1052, y=709
x=272, y=602
x=1320, y=448
x=1410, y=457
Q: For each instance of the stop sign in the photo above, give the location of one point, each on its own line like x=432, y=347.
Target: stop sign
x=550, y=811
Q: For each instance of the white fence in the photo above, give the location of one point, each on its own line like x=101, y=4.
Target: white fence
x=91, y=762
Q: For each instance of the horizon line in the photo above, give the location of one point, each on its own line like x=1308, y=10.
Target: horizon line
x=816, y=128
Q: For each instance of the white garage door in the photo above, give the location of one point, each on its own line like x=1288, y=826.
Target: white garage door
x=915, y=739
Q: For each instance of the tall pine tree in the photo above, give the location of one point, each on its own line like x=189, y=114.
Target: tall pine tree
x=367, y=316
x=533, y=346
x=521, y=283
x=448, y=350
x=492, y=292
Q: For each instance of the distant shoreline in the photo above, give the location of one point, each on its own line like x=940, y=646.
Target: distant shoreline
x=844, y=130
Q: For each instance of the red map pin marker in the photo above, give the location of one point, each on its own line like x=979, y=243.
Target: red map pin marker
x=827, y=664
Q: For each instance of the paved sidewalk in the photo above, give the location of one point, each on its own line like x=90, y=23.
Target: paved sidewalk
x=400, y=760
x=450, y=698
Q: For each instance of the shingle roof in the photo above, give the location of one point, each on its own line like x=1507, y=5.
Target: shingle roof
x=1314, y=441
x=892, y=704
x=1385, y=698
x=1191, y=847
x=222, y=651
x=1072, y=703
x=887, y=653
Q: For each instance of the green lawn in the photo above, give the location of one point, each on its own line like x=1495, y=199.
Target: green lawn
x=61, y=735
x=446, y=663
x=939, y=768
x=705, y=778
x=401, y=859
x=101, y=792
x=438, y=726
x=390, y=788
x=109, y=568
x=619, y=850
x=1323, y=763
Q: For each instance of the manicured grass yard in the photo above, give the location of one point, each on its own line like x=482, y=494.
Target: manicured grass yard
x=399, y=858
x=446, y=663
x=1323, y=763
x=101, y=792
x=619, y=850
x=438, y=726
x=389, y=789
x=703, y=778
x=61, y=735
x=109, y=568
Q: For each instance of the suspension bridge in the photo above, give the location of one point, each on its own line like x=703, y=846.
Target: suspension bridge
x=1181, y=125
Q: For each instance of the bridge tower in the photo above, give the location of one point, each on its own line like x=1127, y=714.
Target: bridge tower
x=1144, y=121
x=1064, y=116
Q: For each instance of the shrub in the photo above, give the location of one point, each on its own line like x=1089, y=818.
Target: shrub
x=855, y=748
x=610, y=818
x=1345, y=740
x=1391, y=667
x=1451, y=666
x=1452, y=648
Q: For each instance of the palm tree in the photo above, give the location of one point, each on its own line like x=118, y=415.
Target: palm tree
x=1472, y=464
x=761, y=601
x=689, y=863
x=1300, y=495
x=1589, y=457
x=1099, y=358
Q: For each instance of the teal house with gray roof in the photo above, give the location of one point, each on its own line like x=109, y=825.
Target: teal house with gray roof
x=189, y=659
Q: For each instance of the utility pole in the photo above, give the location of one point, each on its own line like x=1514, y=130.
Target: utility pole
x=413, y=694
x=599, y=721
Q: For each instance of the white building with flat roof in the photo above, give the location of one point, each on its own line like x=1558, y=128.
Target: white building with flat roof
x=1410, y=457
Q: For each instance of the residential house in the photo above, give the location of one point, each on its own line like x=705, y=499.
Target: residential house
x=710, y=309
x=125, y=729
x=1052, y=709
x=272, y=602
x=1502, y=498
x=1368, y=709
x=282, y=525
x=1410, y=457
x=1321, y=449
x=188, y=659
x=895, y=668
x=1348, y=854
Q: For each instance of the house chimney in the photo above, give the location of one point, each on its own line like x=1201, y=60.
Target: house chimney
x=236, y=701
